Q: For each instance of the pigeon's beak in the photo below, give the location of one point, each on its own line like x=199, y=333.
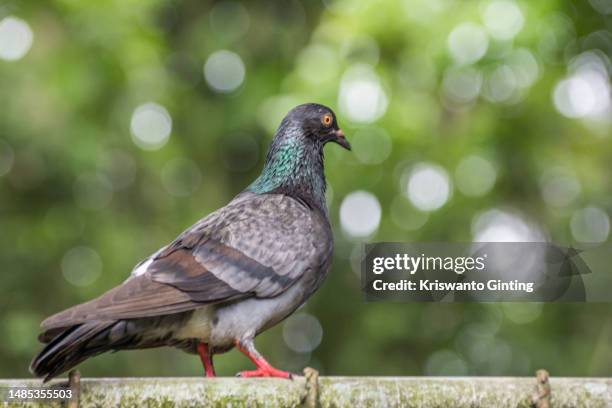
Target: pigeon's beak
x=341, y=139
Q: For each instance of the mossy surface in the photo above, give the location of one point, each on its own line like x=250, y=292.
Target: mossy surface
x=458, y=392
x=422, y=392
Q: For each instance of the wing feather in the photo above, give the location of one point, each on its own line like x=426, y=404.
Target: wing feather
x=255, y=246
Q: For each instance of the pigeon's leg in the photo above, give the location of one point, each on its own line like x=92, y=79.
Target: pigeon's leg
x=264, y=369
x=206, y=358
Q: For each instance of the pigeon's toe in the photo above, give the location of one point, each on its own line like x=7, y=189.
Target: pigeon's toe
x=261, y=372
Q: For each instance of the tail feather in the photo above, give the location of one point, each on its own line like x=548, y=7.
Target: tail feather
x=70, y=347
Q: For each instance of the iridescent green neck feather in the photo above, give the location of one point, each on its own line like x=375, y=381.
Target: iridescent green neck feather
x=294, y=166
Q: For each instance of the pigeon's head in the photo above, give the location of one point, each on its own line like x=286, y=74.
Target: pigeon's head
x=294, y=163
x=316, y=123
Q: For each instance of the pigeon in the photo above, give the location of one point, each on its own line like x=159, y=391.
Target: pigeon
x=232, y=275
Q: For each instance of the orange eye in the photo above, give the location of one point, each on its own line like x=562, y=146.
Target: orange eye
x=327, y=119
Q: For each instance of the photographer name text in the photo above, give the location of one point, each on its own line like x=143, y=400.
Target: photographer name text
x=458, y=265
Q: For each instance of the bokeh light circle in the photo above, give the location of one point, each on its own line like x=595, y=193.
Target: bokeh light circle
x=360, y=213
x=467, y=43
x=497, y=225
x=559, y=186
x=461, y=85
x=602, y=6
x=524, y=66
x=371, y=145
x=81, y=266
x=150, y=126
x=503, y=19
x=224, y=71
x=318, y=64
x=302, y=333
x=475, y=176
x=585, y=93
x=429, y=187
x=16, y=38
x=590, y=225
x=522, y=313
x=361, y=97
x=500, y=85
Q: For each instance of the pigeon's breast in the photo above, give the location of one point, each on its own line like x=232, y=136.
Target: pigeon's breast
x=248, y=318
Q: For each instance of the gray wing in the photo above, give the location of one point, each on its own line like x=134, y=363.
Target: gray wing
x=257, y=245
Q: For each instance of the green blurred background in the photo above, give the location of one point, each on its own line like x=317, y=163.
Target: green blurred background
x=123, y=122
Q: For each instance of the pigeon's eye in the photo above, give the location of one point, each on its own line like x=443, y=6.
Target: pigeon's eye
x=327, y=119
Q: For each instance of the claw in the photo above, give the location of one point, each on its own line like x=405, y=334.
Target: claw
x=264, y=369
x=262, y=372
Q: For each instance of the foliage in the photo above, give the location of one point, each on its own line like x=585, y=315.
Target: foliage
x=81, y=200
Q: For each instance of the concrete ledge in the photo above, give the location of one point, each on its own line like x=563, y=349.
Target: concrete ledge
x=330, y=392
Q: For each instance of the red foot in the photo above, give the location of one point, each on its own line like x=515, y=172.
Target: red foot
x=206, y=358
x=265, y=372
x=264, y=369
